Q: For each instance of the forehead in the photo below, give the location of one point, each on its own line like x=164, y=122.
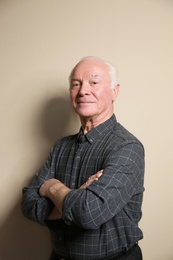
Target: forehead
x=90, y=68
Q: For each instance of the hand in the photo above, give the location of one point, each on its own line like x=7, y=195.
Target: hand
x=48, y=185
x=91, y=179
x=56, y=192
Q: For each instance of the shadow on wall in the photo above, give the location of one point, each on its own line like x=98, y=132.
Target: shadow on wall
x=19, y=237
x=23, y=239
x=57, y=119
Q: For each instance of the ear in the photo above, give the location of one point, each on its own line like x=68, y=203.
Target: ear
x=115, y=92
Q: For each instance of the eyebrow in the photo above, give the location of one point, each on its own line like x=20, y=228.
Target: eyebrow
x=92, y=76
x=74, y=79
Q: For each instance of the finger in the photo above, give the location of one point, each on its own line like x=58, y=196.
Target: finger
x=98, y=174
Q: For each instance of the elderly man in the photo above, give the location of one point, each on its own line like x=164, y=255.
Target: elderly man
x=89, y=192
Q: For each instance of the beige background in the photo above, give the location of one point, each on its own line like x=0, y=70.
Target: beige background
x=40, y=41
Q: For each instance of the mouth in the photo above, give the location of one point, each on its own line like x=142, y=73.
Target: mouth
x=84, y=102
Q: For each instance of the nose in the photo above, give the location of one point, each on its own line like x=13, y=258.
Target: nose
x=84, y=89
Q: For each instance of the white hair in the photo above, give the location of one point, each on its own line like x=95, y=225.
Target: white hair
x=111, y=68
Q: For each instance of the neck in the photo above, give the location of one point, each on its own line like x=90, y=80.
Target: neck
x=90, y=123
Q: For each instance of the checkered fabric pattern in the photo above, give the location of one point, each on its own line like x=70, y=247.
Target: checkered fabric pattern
x=103, y=219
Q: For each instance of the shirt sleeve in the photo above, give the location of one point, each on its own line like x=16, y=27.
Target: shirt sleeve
x=120, y=187
x=35, y=207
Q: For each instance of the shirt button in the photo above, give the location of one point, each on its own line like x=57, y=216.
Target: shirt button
x=91, y=140
x=73, y=184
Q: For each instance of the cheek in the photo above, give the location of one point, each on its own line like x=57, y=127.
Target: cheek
x=72, y=97
x=104, y=97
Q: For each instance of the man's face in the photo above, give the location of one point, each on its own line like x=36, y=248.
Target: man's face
x=90, y=91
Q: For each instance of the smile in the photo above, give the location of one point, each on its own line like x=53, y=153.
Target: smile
x=85, y=102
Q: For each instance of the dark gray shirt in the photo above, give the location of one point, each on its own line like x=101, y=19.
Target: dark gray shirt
x=103, y=219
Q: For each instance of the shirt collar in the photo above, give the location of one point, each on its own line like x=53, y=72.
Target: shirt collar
x=96, y=132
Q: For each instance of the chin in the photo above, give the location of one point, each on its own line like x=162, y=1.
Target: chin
x=85, y=115
x=85, y=112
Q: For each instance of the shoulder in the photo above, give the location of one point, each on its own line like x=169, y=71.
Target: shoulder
x=118, y=133
x=65, y=140
x=122, y=137
x=124, y=134
x=63, y=143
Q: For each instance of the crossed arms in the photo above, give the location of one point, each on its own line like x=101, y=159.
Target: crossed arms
x=56, y=191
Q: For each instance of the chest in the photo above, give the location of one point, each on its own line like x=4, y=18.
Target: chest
x=75, y=163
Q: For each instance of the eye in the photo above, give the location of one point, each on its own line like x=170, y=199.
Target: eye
x=75, y=84
x=94, y=83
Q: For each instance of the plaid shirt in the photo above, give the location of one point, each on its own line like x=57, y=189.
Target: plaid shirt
x=103, y=219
